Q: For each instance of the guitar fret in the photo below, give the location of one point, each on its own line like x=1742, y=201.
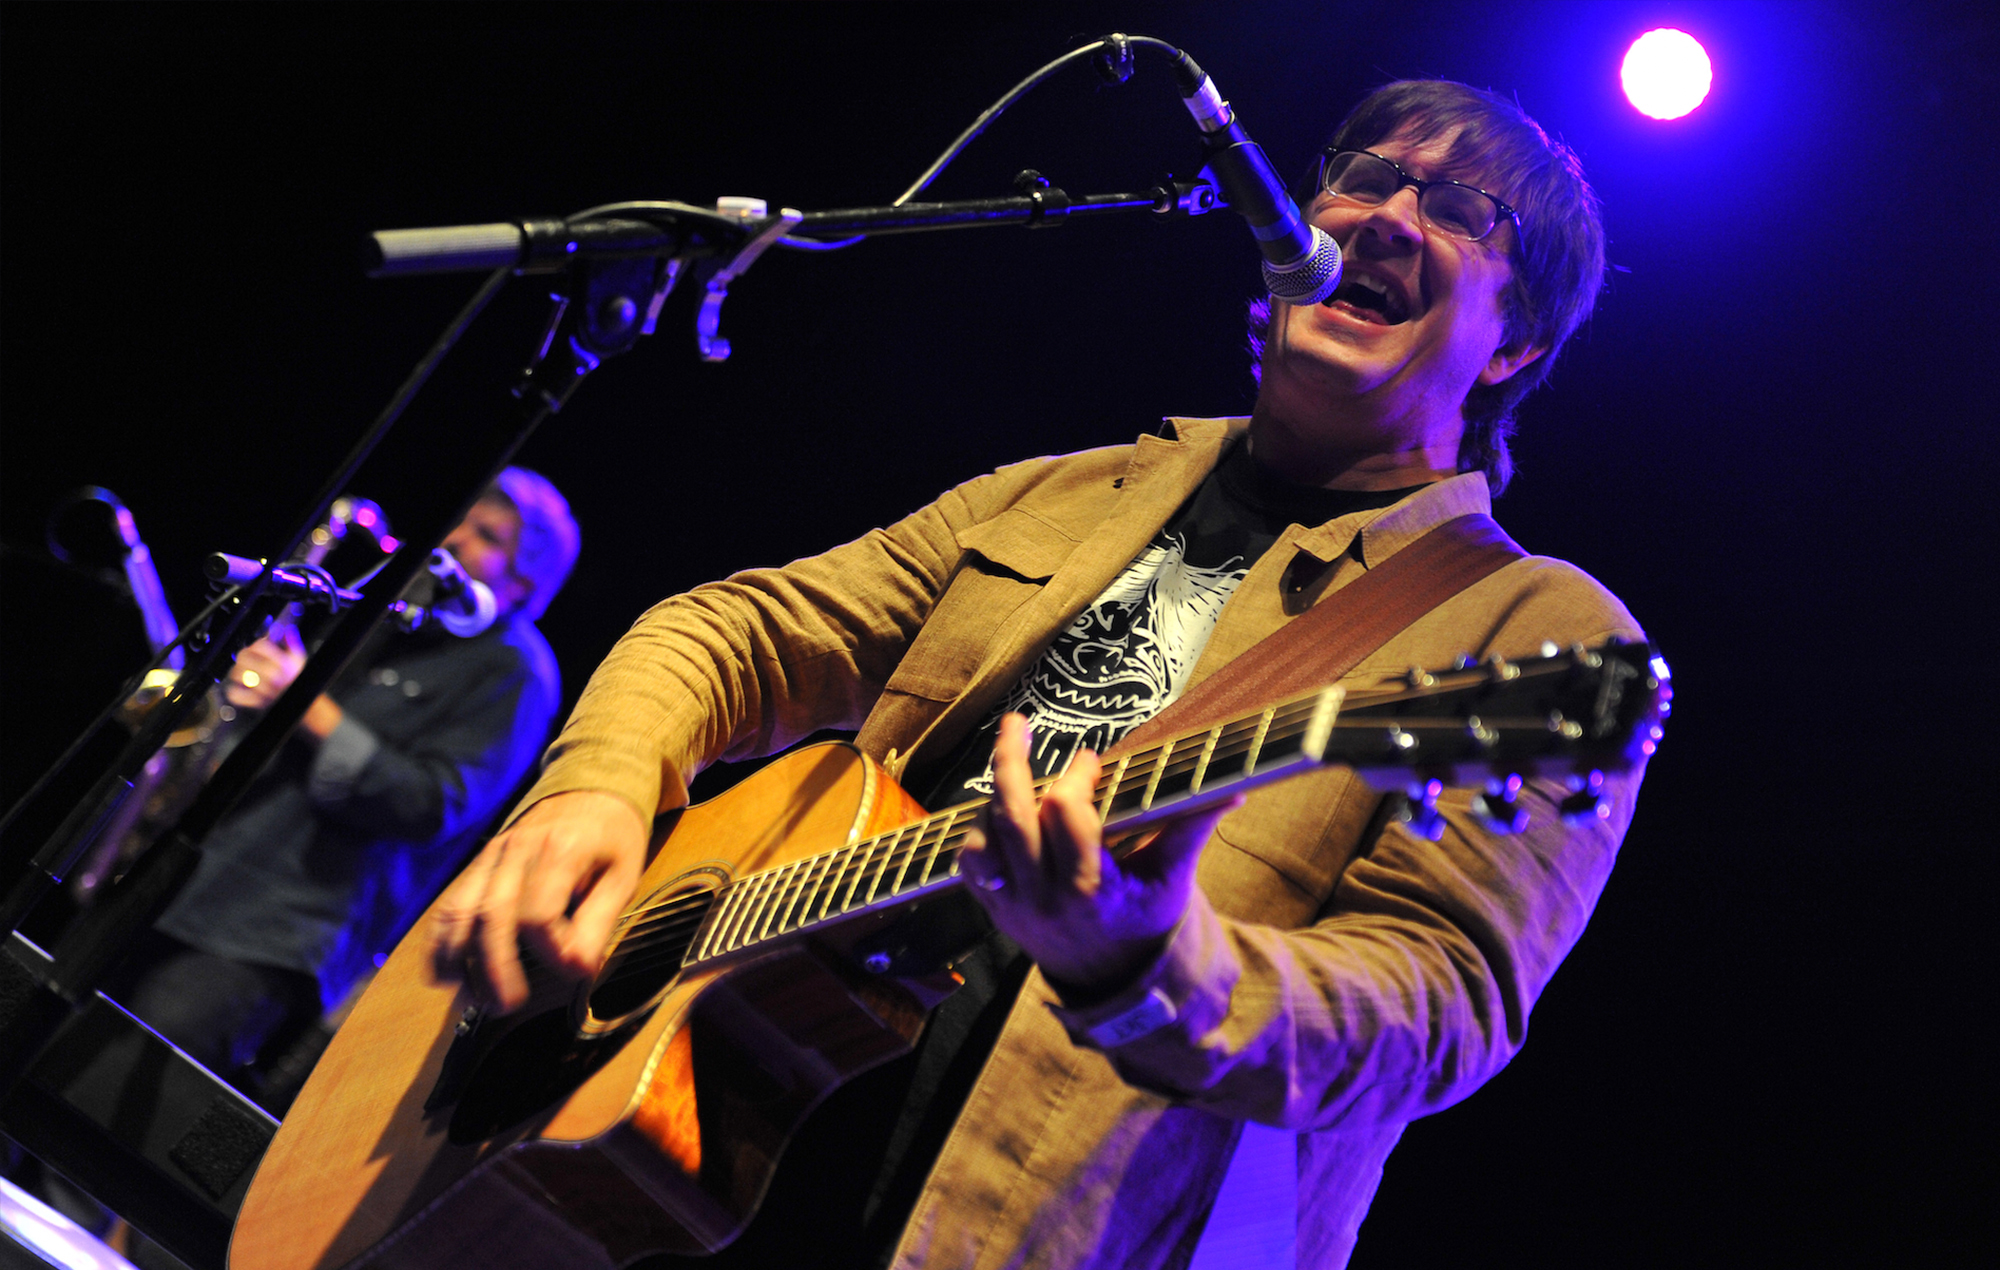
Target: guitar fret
x=951, y=826
x=1159, y=768
x=1257, y=742
x=732, y=902
x=836, y=866
x=861, y=866
x=825, y=887
x=758, y=908
x=706, y=943
x=1201, y=764
x=782, y=895
x=881, y=869
x=1111, y=787
x=944, y=858
x=744, y=905
x=801, y=897
x=909, y=858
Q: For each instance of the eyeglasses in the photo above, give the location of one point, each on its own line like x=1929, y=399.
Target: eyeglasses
x=1450, y=207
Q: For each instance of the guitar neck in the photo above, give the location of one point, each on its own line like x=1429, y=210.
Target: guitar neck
x=1575, y=711
x=1170, y=779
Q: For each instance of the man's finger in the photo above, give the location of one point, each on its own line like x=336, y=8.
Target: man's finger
x=456, y=919
x=496, y=956
x=979, y=864
x=1071, y=831
x=561, y=872
x=1013, y=816
x=587, y=934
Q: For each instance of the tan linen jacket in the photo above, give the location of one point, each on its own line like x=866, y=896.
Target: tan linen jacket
x=1322, y=984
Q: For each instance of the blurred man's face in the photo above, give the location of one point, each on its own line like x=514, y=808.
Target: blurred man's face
x=485, y=543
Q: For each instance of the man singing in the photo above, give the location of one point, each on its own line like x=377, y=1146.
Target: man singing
x=1298, y=962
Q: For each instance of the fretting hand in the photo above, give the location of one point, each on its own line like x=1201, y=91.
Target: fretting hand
x=265, y=668
x=1042, y=871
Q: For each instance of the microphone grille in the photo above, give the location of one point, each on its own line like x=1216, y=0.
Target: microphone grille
x=1312, y=278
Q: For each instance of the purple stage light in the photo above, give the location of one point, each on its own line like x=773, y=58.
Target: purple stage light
x=1666, y=73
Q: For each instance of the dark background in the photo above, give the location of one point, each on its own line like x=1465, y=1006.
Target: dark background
x=1770, y=441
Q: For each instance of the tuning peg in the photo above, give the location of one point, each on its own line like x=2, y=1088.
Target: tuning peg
x=1481, y=736
x=1419, y=813
x=1499, y=808
x=1586, y=801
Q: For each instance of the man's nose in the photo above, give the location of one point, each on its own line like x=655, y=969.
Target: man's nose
x=1394, y=222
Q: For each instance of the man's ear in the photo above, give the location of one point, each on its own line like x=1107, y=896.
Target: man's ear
x=1509, y=360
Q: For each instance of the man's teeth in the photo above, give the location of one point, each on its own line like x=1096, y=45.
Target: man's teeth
x=1370, y=295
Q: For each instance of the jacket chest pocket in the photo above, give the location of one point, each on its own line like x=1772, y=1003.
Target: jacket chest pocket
x=1277, y=859
x=1007, y=562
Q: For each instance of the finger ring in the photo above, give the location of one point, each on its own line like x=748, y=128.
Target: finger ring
x=251, y=679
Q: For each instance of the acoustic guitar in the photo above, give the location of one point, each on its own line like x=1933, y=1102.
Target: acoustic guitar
x=778, y=946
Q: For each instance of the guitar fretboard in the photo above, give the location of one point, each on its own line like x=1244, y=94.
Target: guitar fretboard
x=1167, y=779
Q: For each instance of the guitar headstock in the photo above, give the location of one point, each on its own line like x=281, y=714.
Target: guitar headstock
x=1576, y=713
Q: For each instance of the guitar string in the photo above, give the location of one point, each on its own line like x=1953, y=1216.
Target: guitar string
x=666, y=923
x=1135, y=776
x=1184, y=756
x=666, y=930
x=859, y=863
x=857, y=867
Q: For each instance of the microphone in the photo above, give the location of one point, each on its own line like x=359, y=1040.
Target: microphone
x=1301, y=264
x=460, y=603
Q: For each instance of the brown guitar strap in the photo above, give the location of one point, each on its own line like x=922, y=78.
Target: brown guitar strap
x=1329, y=639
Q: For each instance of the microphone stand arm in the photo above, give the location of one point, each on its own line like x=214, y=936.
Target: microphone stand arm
x=740, y=229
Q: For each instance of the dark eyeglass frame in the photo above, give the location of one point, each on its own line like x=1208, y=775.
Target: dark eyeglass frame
x=1502, y=210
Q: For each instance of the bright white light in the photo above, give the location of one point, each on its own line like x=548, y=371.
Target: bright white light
x=1666, y=73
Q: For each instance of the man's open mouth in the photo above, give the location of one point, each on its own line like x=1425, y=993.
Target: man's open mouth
x=1370, y=300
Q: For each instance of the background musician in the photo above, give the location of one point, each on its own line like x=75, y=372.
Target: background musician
x=370, y=806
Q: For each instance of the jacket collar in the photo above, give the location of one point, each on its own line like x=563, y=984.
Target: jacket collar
x=1381, y=532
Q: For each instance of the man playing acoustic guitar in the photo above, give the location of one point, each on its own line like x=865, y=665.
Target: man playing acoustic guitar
x=1300, y=961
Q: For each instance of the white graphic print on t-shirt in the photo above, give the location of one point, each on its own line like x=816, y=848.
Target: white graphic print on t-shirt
x=1123, y=659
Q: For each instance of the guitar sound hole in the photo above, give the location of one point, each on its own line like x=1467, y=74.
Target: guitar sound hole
x=646, y=960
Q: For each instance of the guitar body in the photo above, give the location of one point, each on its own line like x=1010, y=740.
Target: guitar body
x=556, y=1136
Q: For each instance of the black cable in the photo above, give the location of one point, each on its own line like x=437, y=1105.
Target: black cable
x=1119, y=64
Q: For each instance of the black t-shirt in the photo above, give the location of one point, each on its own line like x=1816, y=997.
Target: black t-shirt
x=852, y=1174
